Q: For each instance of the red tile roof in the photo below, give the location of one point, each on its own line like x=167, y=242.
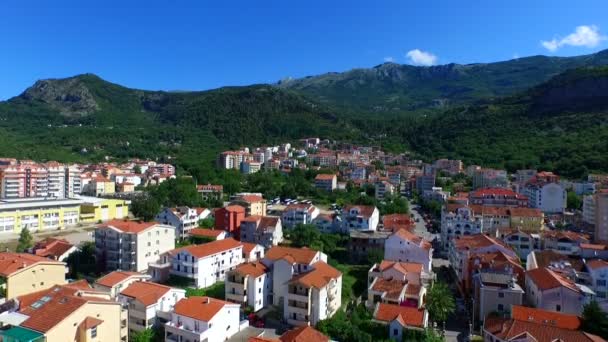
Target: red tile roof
x=392, y=288
x=364, y=210
x=248, y=247
x=598, y=247
x=254, y=269
x=52, y=247
x=303, y=334
x=147, y=293
x=546, y=279
x=320, y=276
x=211, y=248
x=299, y=255
x=325, y=176
x=114, y=278
x=200, y=308
x=250, y=198
x=597, y=263
x=405, y=315
x=207, y=233
x=125, y=226
x=234, y=208
x=402, y=267
x=13, y=262
x=556, y=319
x=406, y=234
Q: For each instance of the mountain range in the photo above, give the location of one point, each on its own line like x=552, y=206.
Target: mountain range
x=547, y=112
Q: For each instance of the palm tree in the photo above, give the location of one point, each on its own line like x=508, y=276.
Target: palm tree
x=440, y=302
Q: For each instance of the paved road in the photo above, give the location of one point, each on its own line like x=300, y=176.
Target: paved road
x=75, y=235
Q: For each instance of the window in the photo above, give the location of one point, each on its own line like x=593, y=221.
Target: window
x=395, y=332
x=501, y=307
x=93, y=332
x=600, y=282
x=501, y=295
x=558, y=308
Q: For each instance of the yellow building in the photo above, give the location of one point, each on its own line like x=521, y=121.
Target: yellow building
x=101, y=186
x=38, y=214
x=253, y=204
x=24, y=273
x=529, y=220
x=96, y=209
x=72, y=312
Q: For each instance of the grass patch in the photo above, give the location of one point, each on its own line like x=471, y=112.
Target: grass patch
x=216, y=290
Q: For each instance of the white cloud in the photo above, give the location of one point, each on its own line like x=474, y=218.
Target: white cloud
x=584, y=35
x=516, y=56
x=418, y=57
x=389, y=59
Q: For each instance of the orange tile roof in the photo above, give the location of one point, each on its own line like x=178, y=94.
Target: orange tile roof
x=200, y=308
x=364, y=210
x=303, y=334
x=250, y=198
x=599, y=247
x=248, y=247
x=90, y=322
x=546, y=279
x=412, y=289
x=556, y=319
x=406, y=234
x=320, y=276
x=262, y=339
x=145, y=292
x=392, y=288
x=406, y=315
x=324, y=176
x=126, y=226
x=477, y=241
x=597, y=263
x=254, y=269
x=211, y=248
x=403, y=267
x=52, y=247
x=299, y=255
x=234, y=208
x=208, y=233
x=13, y=262
x=114, y=278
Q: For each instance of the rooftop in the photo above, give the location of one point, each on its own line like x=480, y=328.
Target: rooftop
x=114, y=278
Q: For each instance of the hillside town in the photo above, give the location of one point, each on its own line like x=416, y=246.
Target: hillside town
x=379, y=246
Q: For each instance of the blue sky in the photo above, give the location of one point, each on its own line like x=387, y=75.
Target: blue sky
x=198, y=44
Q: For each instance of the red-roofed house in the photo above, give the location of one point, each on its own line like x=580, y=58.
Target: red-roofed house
x=204, y=319
x=499, y=197
x=301, y=213
x=262, y=230
x=549, y=290
x=208, y=234
x=116, y=281
x=229, y=219
x=132, y=245
x=24, y=273
x=303, y=334
x=53, y=248
x=327, y=182
x=183, y=219
x=253, y=204
x=598, y=272
x=249, y=284
x=150, y=304
x=360, y=217
x=399, y=318
x=405, y=246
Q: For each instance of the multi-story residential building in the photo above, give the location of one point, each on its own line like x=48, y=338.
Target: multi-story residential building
x=563, y=242
x=27, y=179
x=529, y=220
x=436, y=194
x=495, y=293
x=523, y=176
x=362, y=244
x=327, y=182
x=68, y=312
x=457, y=221
x=23, y=273
x=262, y=230
x=491, y=262
x=95, y=209
x=249, y=167
x=497, y=197
x=203, y=319
x=521, y=242
x=397, y=283
x=400, y=318
x=424, y=182
x=384, y=188
x=528, y=324
x=598, y=274
x=490, y=178
x=38, y=214
x=549, y=290
x=589, y=209
x=229, y=219
x=208, y=263
x=328, y=223
x=252, y=252
x=394, y=222
x=210, y=191
x=545, y=193
x=360, y=217
x=594, y=250
x=54, y=249
x=323, y=159
x=601, y=216
x=253, y=204
x=233, y=159
x=301, y=213
x=452, y=167
x=183, y=219
x=129, y=178
x=405, y=246
x=150, y=304
x=131, y=245
x=249, y=284
x=116, y=281
x=100, y=186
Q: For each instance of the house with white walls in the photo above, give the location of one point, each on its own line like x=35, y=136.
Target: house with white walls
x=405, y=246
x=249, y=284
x=360, y=217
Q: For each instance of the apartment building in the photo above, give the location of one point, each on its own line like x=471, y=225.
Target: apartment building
x=549, y=290
x=399, y=283
x=249, y=284
x=495, y=293
x=424, y=182
x=203, y=319
x=150, y=304
x=38, y=214
x=545, y=193
x=521, y=242
x=114, y=282
x=100, y=186
x=327, y=182
x=452, y=167
x=490, y=178
x=564, y=242
x=598, y=274
x=405, y=246
x=210, y=191
x=132, y=245
x=208, y=263
x=360, y=217
x=601, y=216
x=232, y=159
x=26, y=179
x=529, y=324
x=262, y=230
x=363, y=243
x=497, y=197
x=68, y=312
x=229, y=219
x=457, y=221
x=589, y=209
x=183, y=219
x=301, y=213
x=384, y=188
x=23, y=273
x=253, y=204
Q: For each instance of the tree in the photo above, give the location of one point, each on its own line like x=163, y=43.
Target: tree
x=375, y=256
x=574, y=201
x=26, y=241
x=83, y=262
x=440, y=302
x=595, y=320
x=145, y=207
x=208, y=222
x=137, y=169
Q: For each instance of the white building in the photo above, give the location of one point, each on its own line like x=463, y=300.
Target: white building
x=116, y=281
x=462, y=221
x=208, y=263
x=545, y=193
x=360, y=217
x=149, y=304
x=589, y=209
x=598, y=272
x=249, y=284
x=548, y=290
x=203, y=319
x=301, y=213
x=131, y=245
x=384, y=188
x=262, y=230
x=405, y=246
x=397, y=283
x=521, y=242
x=183, y=219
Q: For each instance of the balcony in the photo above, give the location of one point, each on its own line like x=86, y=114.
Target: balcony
x=297, y=307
